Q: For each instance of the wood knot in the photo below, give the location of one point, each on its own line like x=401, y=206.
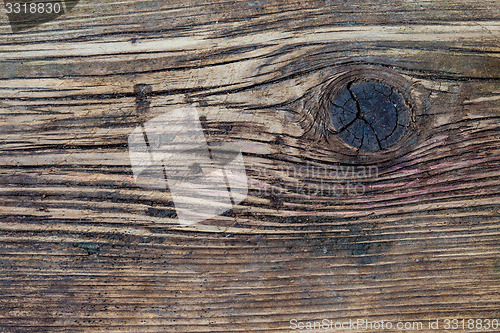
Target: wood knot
x=369, y=115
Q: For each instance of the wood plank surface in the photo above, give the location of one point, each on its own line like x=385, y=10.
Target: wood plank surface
x=85, y=248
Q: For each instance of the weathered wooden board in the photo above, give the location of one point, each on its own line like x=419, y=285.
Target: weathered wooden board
x=84, y=248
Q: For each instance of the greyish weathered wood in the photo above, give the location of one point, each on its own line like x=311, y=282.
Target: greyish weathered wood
x=405, y=234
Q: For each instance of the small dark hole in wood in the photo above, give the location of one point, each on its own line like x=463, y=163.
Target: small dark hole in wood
x=370, y=115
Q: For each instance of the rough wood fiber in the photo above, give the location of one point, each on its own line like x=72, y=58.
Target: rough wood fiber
x=83, y=248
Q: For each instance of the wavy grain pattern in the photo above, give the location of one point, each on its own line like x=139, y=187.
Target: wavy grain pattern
x=83, y=248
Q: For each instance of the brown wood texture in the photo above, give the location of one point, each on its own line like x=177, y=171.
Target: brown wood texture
x=83, y=248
